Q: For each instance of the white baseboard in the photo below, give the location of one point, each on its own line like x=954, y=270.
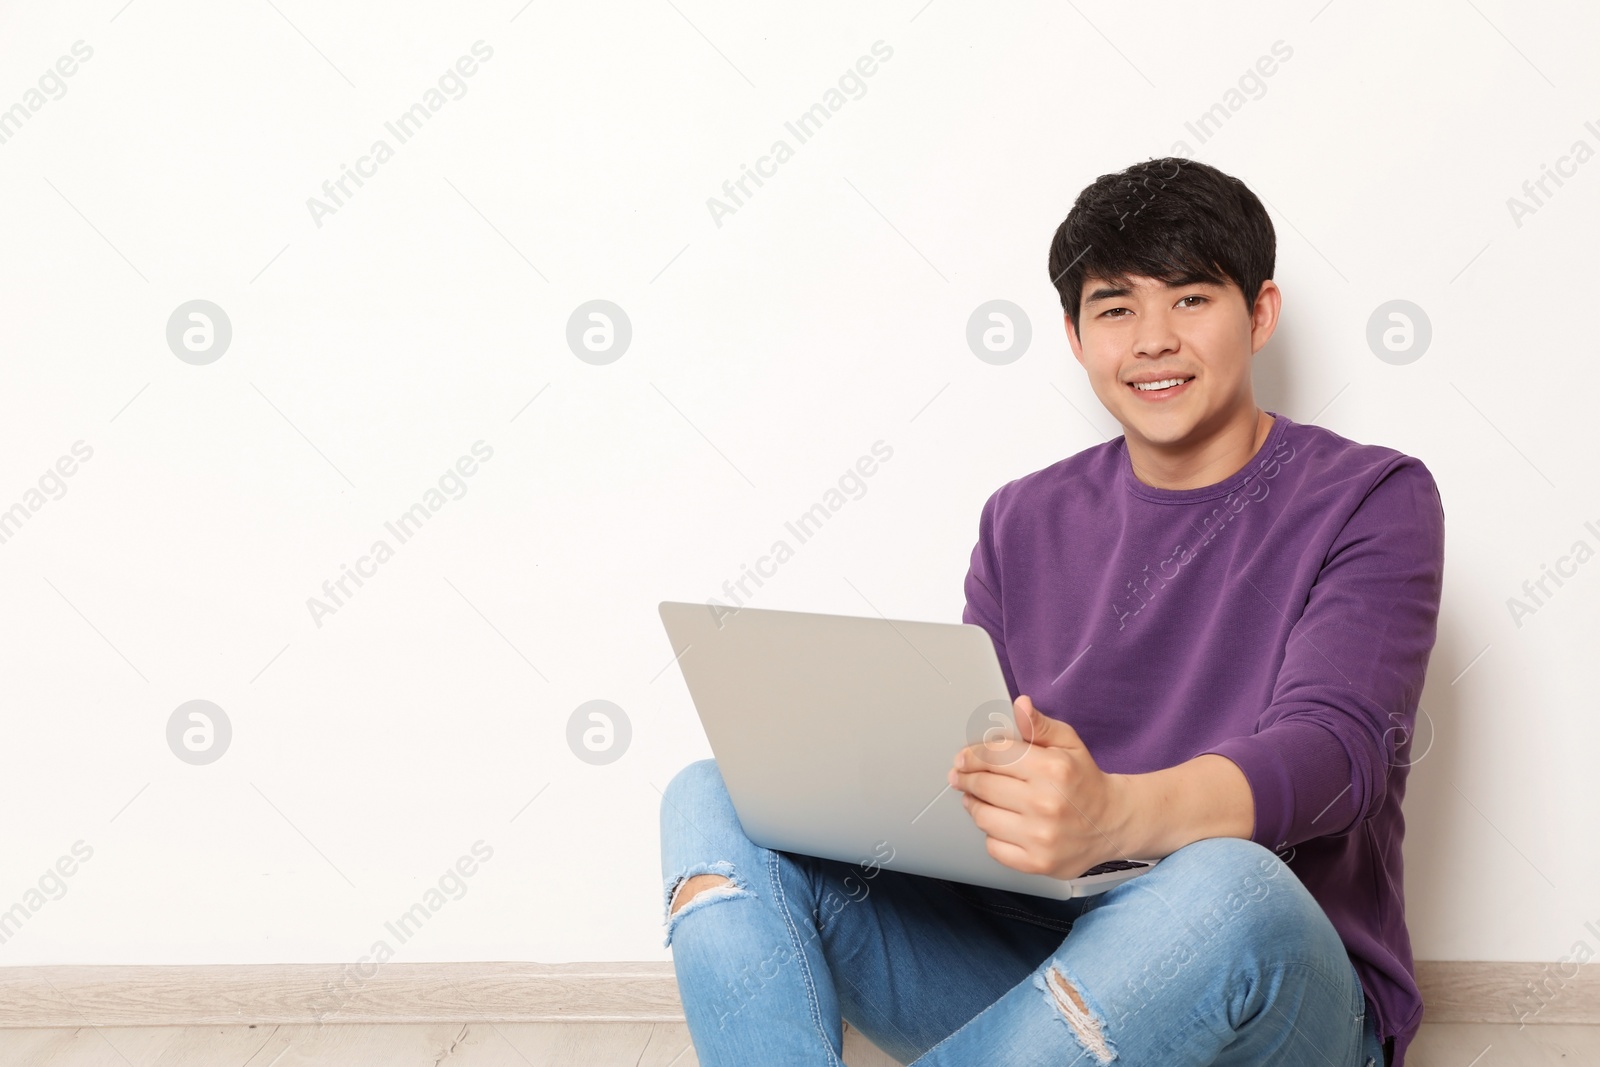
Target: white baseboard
x=299, y=994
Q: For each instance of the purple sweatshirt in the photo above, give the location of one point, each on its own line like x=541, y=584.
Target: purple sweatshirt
x=1282, y=617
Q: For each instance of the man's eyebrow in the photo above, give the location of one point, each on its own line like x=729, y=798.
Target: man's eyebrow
x=1113, y=292
x=1106, y=292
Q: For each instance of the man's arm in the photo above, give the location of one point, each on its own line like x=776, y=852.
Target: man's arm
x=982, y=588
x=1344, y=702
x=1161, y=811
x=1319, y=760
x=1047, y=807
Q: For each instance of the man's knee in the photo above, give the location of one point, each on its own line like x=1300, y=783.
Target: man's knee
x=1229, y=889
x=692, y=781
x=702, y=884
x=689, y=888
x=1188, y=924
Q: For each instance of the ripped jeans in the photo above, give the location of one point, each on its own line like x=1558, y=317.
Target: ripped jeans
x=1218, y=956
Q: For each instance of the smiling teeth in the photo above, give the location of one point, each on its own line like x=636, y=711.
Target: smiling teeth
x=1165, y=383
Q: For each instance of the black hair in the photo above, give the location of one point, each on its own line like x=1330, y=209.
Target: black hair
x=1173, y=219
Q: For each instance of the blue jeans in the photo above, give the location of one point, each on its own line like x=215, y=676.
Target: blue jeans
x=1219, y=955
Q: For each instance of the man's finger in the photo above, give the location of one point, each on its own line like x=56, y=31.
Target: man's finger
x=1040, y=729
x=996, y=756
x=997, y=790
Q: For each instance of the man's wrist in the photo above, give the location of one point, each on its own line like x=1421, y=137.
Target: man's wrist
x=1129, y=831
x=1159, y=812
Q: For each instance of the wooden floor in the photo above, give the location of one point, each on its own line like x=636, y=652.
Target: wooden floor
x=604, y=1045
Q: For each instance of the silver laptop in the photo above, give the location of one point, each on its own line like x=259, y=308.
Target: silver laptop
x=834, y=734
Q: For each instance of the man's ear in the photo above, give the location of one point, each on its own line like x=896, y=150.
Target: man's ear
x=1074, y=340
x=1264, y=316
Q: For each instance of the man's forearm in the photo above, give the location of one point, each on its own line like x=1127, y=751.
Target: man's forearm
x=1161, y=811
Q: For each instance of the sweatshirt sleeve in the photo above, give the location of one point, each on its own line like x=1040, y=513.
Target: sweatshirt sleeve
x=1344, y=702
x=983, y=589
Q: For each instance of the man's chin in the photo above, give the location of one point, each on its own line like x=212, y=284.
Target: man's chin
x=1161, y=429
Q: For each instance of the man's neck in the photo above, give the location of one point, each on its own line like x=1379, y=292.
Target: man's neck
x=1212, y=460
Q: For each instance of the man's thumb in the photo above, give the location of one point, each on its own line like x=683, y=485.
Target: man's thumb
x=1037, y=728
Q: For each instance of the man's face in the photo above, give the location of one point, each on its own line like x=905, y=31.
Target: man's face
x=1142, y=330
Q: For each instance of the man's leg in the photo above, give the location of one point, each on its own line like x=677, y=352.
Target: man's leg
x=1218, y=956
x=772, y=949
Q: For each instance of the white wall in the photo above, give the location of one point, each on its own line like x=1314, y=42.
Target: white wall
x=429, y=312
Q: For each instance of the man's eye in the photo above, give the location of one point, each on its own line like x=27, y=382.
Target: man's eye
x=1192, y=296
x=1113, y=313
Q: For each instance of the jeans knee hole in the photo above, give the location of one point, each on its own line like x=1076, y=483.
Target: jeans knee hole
x=1065, y=998
x=706, y=893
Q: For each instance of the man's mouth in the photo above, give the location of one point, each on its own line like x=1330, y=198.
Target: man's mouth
x=1161, y=387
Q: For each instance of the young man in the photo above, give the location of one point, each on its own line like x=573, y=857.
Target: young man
x=1215, y=629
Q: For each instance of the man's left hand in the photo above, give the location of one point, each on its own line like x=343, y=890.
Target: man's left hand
x=1044, y=804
